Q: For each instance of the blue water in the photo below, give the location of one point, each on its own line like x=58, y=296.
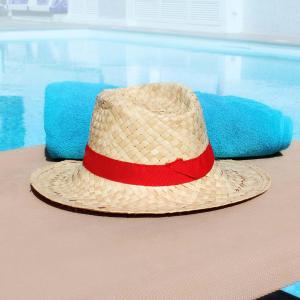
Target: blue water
x=30, y=61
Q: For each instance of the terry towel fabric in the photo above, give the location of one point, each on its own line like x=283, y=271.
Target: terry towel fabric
x=240, y=127
x=68, y=111
x=237, y=127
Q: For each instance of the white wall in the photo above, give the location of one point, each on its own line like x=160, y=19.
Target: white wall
x=191, y=15
x=272, y=17
x=263, y=17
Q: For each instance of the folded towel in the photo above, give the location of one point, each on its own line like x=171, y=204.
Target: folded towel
x=237, y=127
x=68, y=111
x=240, y=127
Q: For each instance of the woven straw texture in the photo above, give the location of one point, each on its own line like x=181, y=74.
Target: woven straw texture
x=149, y=124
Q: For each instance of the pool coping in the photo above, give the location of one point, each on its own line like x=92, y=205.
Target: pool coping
x=15, y=24
x=161, y=39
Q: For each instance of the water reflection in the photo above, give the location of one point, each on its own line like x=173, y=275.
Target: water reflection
x=26, y=68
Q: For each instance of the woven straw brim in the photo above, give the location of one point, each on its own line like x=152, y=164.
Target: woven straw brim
x=69, y=184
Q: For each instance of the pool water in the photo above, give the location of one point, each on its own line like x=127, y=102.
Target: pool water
x=29, y=61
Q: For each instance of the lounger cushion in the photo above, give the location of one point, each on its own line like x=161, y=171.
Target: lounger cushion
x=241, y=252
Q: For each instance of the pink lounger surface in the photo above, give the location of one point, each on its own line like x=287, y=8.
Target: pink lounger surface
x=240, y=252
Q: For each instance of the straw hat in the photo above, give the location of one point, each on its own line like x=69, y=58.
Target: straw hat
x=148, y=153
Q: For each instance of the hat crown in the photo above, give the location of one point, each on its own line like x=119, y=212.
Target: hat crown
x=148, y=124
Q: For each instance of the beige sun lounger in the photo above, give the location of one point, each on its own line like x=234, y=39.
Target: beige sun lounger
x=240, y=252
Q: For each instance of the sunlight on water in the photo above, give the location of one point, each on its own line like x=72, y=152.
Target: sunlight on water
x=27, y=67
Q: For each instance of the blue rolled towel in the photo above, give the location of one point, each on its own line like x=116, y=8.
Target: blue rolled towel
x=237, y=127
x=67, y=115
x=240, y=127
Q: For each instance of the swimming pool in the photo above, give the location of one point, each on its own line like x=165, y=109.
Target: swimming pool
x=30, y=60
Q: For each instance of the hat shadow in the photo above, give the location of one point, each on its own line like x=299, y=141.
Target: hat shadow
x=50, y=159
